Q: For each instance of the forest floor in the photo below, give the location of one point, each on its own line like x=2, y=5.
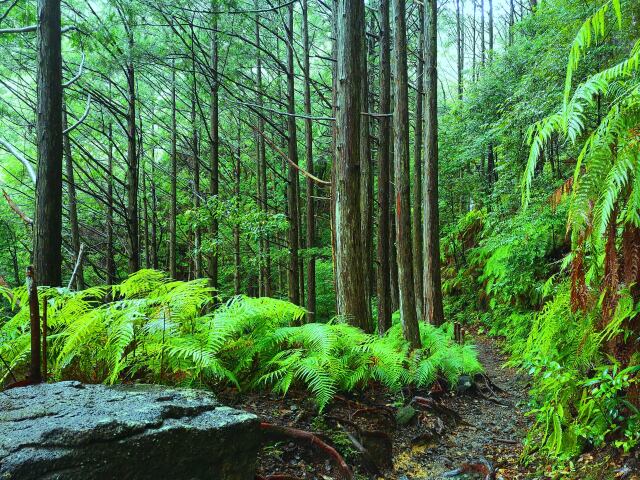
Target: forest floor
x=417, y=435
x=413, y=435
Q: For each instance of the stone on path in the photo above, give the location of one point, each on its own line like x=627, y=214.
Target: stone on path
x=70, y=430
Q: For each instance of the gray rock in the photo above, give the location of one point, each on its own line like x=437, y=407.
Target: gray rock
x=69, y=430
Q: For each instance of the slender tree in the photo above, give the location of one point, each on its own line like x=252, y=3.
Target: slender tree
x=173, y=209
x=73, y=201
x=416, y=219
x=48, y=219
x=214, y=158
x=366, y=179
x=383, y=271
x=264, y=244
x=310, y=201
x=432, y=301
x=133, y=177
x=401, y=176
x=110, y=260
x=350, y=276
x=292, y=179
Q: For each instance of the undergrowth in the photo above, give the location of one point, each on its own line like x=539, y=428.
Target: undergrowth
x=150, y=328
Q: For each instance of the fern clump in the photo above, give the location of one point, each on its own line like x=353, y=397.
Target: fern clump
x=150, y=328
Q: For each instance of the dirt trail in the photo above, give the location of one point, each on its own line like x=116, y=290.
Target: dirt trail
x=424, y=447
x=490, y=430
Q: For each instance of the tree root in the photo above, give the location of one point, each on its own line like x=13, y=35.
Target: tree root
x=483, y=467
x=489, y=385
x=277, y=476
x=279, y=432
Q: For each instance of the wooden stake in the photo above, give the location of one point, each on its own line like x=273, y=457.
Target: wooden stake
x=34, y=314
x=44, y=340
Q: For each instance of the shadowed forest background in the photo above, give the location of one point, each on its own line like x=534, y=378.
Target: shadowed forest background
x=328, y=196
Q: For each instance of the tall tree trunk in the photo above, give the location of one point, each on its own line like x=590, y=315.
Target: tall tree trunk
x=236, y=226
x=351, y=281
x=47, y=247
x=197, y=262
x=512, y=21
x=491, y=45
x=416, y=221
x=292, y=178
x=73, y=202
x=173, y=210
x=475, y=42
x=265, y=256
x=491, y=150
x=308, y=135
x=145, y=215
x=132, y=167
x=110, y=260
x=482, y=32
x=460, y=45
x=401, y=175
x=154, y=207
x=366, y=178
x=214, y=159
x=384, y=135
x=334, y=141
x=393, y=248
x=432, y=281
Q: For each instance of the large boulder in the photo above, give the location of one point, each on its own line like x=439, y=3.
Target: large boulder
x=70, y=430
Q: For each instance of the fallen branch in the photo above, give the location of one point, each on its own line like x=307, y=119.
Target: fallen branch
x=82, y=118
x=508, y=441
x=31, y=28
x=75, y=268
x=279, y=431
x=77, y=76
x=291, y=162
x=28, y=221
x=14, y=151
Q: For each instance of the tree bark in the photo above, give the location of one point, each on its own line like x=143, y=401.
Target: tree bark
x=383, y=271
x=416, y=222
x=73, y=203
x=292, y=178
x=366, y=178
x=214, y=159
x=311, y=207
x=197, y=261
x=351, y=282
x=132, y=178
x=482, y=33
x=460, y=45
x=432, y=280
x=265, y=256
x=110, y=260
x=173, y=210
x=401, y=175
x=236, y=226
x=48, y=219
x=132, y=167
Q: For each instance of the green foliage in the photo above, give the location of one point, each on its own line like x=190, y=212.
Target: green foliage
x=153, y=329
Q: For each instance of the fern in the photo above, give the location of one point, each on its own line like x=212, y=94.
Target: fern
x=150, y=328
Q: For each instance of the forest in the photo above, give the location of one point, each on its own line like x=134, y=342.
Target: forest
x=406, y=235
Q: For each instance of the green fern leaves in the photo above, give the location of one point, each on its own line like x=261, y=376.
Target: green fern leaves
x=152, y=329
